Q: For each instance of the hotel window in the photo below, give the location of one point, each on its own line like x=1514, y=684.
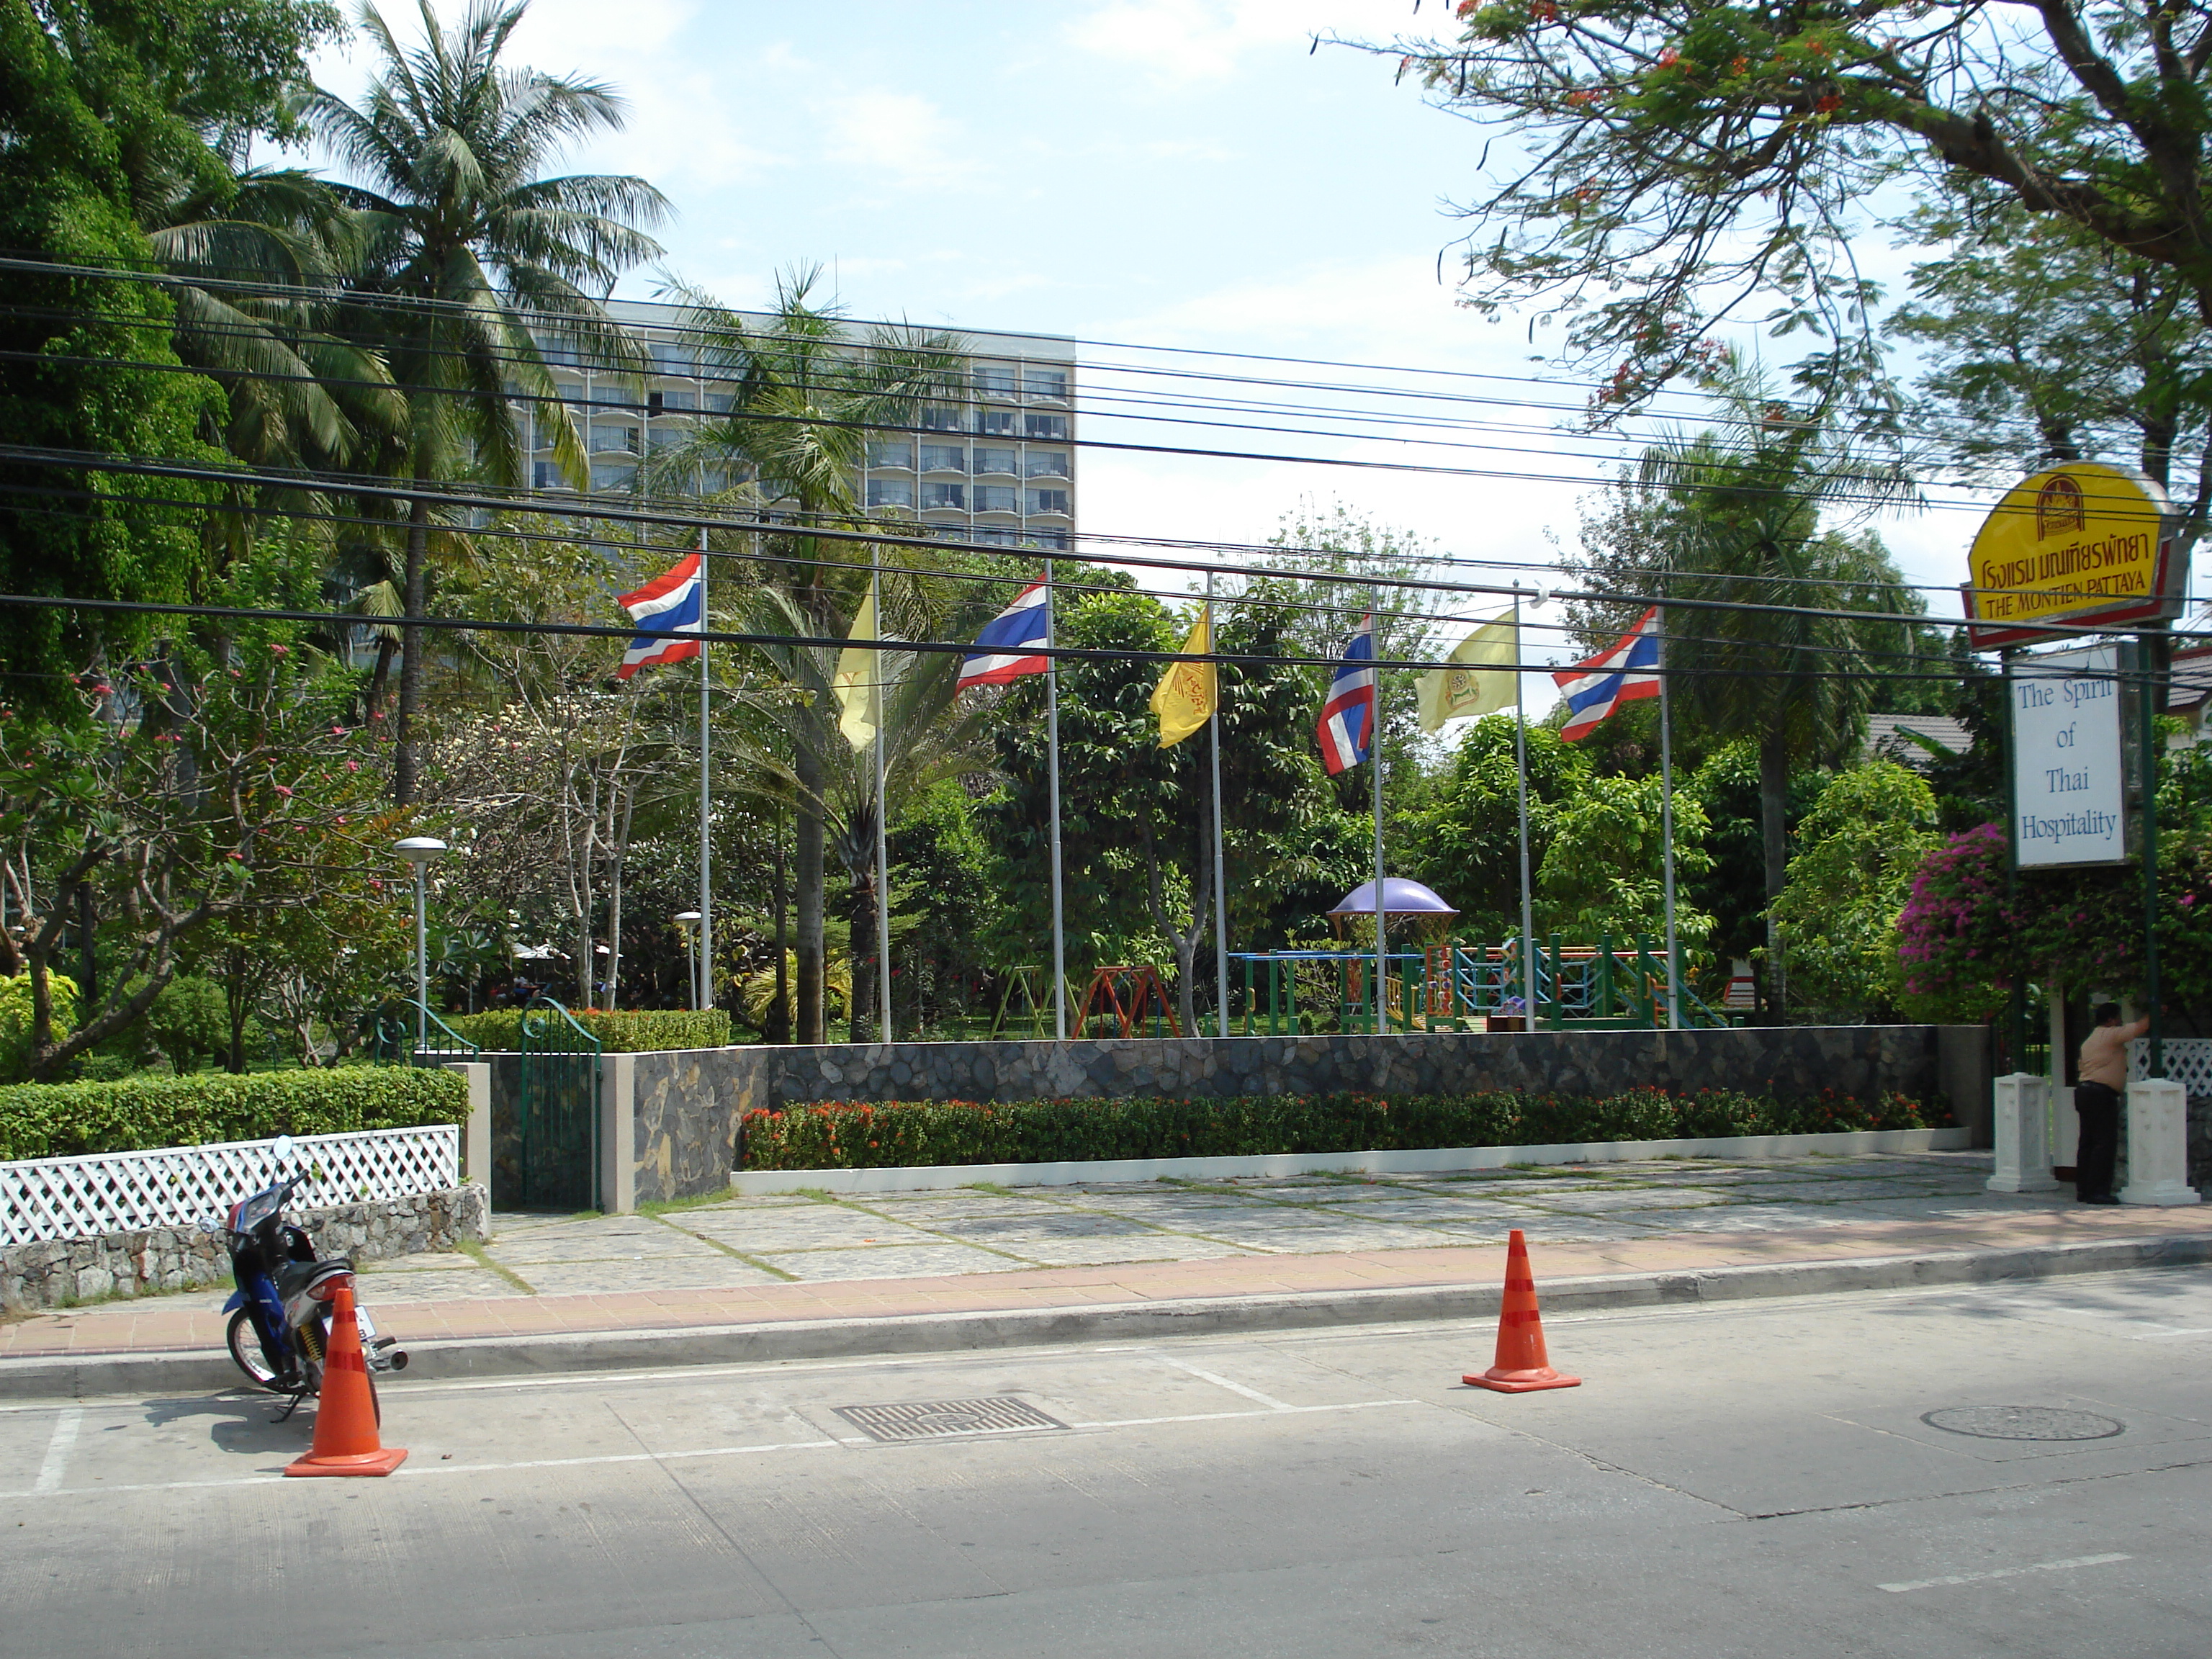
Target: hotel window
x=678, y=397
x=1051, y=428
x=718, y=403
x=994, y=460
x=945, y=495
x=996, y=536
x=670, y=358
x=545, y=475
x=995, y=498
x=891, y=492
x=1053, y=539
x=995, y=379
x=943, y=458
x=607, y=437
x=995, y=423
x=613, y=477
x=891, y=451
x=1049, y=383
x=940, y=417
x=1047, y=500
x=1046, y=465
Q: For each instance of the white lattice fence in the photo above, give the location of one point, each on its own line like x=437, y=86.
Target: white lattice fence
x=52, y=1198
x=2188, y=1062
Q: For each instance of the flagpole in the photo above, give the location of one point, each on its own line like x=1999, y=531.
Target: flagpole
x=1052, y=750
x=703, y=984
x=1521, y=774
x=1666, y=832
x=1220, y=881
x=883, y=816
x=1374, y=758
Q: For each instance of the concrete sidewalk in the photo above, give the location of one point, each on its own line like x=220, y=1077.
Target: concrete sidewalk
x=763, y=1277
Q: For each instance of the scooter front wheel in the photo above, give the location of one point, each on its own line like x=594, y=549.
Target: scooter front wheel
x=244, y=1344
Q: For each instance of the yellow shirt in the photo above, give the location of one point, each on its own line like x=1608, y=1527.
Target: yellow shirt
x=2105, y=1055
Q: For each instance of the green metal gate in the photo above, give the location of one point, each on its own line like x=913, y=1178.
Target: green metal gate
x=557, y=1111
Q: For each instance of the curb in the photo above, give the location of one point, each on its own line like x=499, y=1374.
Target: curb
x=78, y=1376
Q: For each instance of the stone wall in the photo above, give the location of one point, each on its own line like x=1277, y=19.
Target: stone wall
x=56, y=1272
x=688, y=1105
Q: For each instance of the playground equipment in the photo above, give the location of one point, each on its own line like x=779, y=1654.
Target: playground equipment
x=1129, y=994
x=1448, y=986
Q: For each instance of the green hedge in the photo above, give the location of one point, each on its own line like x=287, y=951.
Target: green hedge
x=620, y=1030
x=859, y=1135
x=62, y=1120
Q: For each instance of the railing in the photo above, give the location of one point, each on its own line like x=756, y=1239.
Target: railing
x=408, y=1034
x=2188, y=1062
x=54, y=1197
x=1449, y=985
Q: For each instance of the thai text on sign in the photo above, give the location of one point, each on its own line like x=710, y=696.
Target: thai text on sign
x=2085, y=547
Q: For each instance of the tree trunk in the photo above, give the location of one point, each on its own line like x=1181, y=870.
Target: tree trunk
x=404, y=779
x=807, y=874
x=1773, y=831
x=776, y=1028
x=238, y=1005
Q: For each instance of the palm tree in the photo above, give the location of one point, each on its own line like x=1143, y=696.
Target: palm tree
x=465, y=246
x=804, y=392
x=1739, y=529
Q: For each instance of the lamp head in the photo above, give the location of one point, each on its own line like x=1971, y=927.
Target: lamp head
x=419, y=850
x=686, y=920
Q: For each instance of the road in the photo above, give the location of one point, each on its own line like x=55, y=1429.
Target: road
x=1753, y=1481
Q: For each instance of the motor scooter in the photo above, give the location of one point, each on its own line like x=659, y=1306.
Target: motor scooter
x=280, y=1314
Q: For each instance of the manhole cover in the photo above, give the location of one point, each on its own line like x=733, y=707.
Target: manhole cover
x=929, y=1420
x=2023, y=1423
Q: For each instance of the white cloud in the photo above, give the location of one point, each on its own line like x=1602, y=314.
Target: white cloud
x=1175, y=42
x=897, y=135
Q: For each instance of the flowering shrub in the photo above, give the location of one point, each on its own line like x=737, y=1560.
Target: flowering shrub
x=863, y=1135
x=1956, y=934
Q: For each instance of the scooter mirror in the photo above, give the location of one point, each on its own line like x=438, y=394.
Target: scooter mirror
x=283, y=1149
x=208, y=1224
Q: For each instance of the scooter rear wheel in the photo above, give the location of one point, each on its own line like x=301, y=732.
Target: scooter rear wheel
x=244, y=1344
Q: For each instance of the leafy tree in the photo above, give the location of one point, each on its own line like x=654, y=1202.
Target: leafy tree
x=1604, y=871
x=1660, y=166
x=1466, y=842
x=85, y=361
x=1858, y=850
x=462, y=226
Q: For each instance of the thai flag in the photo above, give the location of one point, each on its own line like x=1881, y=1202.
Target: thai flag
x=1347, y=719
x=1622, y=673
x=1007, y=648
x=667, y=605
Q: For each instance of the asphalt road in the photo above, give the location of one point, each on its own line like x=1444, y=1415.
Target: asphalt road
x=1755, y=1481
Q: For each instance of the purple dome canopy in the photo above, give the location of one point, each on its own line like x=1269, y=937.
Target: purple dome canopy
x=1400, y=897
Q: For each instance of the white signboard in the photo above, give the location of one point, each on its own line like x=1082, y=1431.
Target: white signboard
x=2069, y=784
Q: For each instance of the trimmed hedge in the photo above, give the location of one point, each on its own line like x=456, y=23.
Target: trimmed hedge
x=863, y=1135
x=620, y=1030
x=62, y=1120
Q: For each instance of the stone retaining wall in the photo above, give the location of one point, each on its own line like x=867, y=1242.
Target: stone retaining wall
x=686, y=1106
x=60, y=1271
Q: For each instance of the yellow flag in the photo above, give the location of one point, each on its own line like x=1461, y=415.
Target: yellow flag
x=1479, y=677
x=858, y=682
x=1184, y=698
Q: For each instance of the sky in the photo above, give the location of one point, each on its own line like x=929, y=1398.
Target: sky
x=1185, y=173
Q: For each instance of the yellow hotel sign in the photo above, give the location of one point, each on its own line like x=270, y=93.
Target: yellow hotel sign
x=2083, y=548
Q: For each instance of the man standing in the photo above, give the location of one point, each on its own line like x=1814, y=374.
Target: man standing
x=2103, y=1073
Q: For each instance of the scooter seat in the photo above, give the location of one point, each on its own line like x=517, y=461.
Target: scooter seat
x=295, y=1276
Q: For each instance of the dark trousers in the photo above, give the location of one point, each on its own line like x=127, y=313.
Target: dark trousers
x=2099, y=1105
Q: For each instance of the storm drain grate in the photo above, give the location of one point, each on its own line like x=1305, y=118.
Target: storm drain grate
x=931, y=1419
x=2023, y=1423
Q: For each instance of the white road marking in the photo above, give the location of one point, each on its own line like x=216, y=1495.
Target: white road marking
x=2004, y=1572
x=58, y=1449
x=1268, y=1401
x=426, y=1468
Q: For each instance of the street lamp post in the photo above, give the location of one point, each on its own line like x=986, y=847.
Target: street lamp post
x=419, y=850
x=688, y=921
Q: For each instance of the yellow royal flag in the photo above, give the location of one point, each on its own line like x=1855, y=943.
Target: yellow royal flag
x=857, y=682
x=1478, y=678
x=1185, y=696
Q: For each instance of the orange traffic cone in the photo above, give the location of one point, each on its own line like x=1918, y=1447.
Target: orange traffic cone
x=345, y=1417
x=1523, y=1365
